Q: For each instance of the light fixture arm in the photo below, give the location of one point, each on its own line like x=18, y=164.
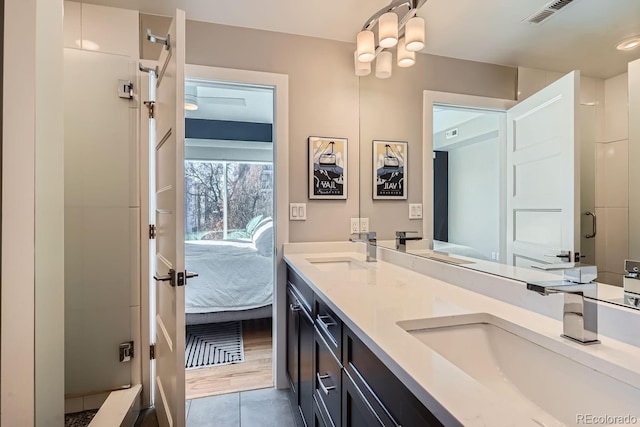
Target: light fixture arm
x=411, y=5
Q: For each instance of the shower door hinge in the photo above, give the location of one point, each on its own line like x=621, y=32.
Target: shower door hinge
x=126, y=351
x=152, y=231
x=125, y=89
x=152, y=352
x=151, y=105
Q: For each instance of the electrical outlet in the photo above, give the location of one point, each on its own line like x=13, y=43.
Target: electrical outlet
x=355, y=225
x=364, y=225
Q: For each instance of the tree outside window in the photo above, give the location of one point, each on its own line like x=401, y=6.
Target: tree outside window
x=221, y=198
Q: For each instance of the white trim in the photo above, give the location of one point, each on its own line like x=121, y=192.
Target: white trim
x=145, y=243
x=458, y=100
x=280, y=83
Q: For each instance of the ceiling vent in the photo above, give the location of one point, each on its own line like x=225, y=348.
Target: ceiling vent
x=547, y=12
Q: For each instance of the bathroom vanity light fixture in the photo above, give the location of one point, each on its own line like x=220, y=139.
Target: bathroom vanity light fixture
x=396, y=25
x=629, y=44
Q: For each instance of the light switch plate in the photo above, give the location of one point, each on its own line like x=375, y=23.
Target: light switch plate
x=297, y=211
x=415, y=210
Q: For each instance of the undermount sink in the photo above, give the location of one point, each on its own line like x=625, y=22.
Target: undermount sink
x=337, y=264
x=512, y=362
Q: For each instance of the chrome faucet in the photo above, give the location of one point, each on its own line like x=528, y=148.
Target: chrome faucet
x=580, y=315
x=401, y=240
x=372, y=244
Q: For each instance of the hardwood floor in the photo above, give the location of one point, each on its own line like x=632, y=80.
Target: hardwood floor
x=256, y=371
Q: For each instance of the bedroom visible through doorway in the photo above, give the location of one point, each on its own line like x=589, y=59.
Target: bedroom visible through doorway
x=229, y=236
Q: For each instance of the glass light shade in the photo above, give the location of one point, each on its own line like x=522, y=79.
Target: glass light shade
x=362, y=68
x=383, y=65
x=388, y=30
x=414, y=34
x=366, y=46
x=405, y=57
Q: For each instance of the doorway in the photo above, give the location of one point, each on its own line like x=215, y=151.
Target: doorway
x=229, y=229
x=279, y=83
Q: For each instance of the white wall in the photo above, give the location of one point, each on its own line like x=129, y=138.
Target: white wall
x=32, y=337
x=102, y=202
x=612, y=183
x=474, y=199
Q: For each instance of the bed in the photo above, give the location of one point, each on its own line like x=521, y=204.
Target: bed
x=235, y=277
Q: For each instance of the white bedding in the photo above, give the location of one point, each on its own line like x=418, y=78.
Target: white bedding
x=233, y=275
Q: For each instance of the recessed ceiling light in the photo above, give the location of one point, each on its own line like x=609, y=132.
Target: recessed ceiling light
x=190, y=102
x=629, y=44
x=190, y=106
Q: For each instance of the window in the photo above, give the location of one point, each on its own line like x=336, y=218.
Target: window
x=222, y=198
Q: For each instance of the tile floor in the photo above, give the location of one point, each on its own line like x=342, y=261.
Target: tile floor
x=257, y=408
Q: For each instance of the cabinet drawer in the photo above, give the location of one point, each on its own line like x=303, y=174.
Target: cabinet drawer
x=303, y=291
x=328, y=380
x=356, y=410
x=392, y=401
x=330, y=327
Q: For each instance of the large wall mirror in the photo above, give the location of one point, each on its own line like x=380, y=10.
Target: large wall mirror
x=459, y=167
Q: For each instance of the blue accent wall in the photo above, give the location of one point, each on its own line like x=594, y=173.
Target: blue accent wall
x=228, y=130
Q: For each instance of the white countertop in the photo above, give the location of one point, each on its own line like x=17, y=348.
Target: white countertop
x=370, y=302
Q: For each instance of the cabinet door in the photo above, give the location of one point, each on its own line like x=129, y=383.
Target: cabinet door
x=356, y=411
x=307, y=371
x=293, y=344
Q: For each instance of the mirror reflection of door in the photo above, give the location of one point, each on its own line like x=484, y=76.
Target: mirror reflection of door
x=518, y=202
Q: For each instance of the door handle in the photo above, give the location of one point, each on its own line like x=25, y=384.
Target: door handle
x=565, y=255
x=169, y=277
x=593, y=226
x=191, y=274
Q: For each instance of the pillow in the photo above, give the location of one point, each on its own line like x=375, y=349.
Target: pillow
x=252, y=224
x=263, y=237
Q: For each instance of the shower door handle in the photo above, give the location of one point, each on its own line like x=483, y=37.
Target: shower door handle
x=593, y=227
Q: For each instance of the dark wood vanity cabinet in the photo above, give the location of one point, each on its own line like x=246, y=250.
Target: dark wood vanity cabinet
x=336, y=380
x=392, y=403
x=300, y=348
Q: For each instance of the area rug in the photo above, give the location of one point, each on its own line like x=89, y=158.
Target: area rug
x=214, y=344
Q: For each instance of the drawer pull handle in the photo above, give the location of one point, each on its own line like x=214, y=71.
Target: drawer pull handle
x=324, y=388
x=327, y=324
x=294, y=307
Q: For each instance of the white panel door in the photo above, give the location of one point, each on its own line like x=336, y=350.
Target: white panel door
x=169, y=204
x=543, y=176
